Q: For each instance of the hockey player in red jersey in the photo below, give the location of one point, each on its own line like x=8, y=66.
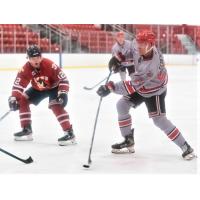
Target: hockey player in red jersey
x=148, y=85
x=47, y=80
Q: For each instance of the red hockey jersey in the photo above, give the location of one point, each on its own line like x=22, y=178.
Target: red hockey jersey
x=47, y=76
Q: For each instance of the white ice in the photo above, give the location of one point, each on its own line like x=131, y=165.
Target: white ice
x=155, y=153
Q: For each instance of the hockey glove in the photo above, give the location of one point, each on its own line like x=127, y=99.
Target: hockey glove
x=131, y=69
x=105, y=90
x=62, y=98
x=13, y=103
x=121, y=57
x=114, y=64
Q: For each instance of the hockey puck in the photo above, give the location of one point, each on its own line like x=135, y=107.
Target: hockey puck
x=86, y=166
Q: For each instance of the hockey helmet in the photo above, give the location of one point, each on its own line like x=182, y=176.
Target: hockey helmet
x=146, y=36
x=33, y=51
x=119, y=34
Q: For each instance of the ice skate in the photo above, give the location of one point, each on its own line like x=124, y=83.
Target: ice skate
x=188, y=152
x=25, y=134
x=127, y=146
x=67, y=139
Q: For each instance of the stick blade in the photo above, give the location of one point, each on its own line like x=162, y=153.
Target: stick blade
x=87, y=88
x=86, y=166
x=28, y=160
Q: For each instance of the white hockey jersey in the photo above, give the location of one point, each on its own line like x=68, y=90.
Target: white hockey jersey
x=149, y=79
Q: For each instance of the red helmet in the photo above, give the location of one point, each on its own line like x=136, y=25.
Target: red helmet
x=146, y=36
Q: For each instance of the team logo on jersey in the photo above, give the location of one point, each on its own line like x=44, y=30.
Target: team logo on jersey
x=41, y=82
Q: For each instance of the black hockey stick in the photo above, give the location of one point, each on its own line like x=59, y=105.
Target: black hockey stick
x=5, y=115
x=91, y=88
x=27, y=161
x=95, y=124
x=125, y=65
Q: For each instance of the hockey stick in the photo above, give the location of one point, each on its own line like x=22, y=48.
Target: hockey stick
x=27, y=161
x=5, y=115
x=91, y=88
x=95, y=124
x=124, y=64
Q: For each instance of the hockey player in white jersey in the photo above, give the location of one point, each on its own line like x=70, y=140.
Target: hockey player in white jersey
x=148, y=84
x=122, y=55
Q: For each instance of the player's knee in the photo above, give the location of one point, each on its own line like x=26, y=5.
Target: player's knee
x=159, y=120
x=122, y=108
x=163, y=123
x=55, y=106
x=23, y=100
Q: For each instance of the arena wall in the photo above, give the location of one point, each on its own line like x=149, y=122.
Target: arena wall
x=15, y=61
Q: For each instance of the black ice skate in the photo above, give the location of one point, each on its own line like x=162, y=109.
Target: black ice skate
x=25, y=134
x=68, y=138
x=188, y=152
x=127, y=146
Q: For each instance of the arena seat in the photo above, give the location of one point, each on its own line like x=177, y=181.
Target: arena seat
x=16, y=37
x=91, y=38
x=88, y=35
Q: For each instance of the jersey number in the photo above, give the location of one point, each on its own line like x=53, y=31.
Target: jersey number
x=54, y=66
x=17, y=81
x=61, y=75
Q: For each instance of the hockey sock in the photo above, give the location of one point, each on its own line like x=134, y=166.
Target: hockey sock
x=62, y=116
x=24, y=112
x=170, y=130
x=125, y=125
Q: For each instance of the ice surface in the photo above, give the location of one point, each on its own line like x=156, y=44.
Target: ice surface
x=155, y=153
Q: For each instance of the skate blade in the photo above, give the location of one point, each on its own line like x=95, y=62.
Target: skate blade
x=123, y=151
x=24, y=138
x=68, y=142
x=190, y=156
